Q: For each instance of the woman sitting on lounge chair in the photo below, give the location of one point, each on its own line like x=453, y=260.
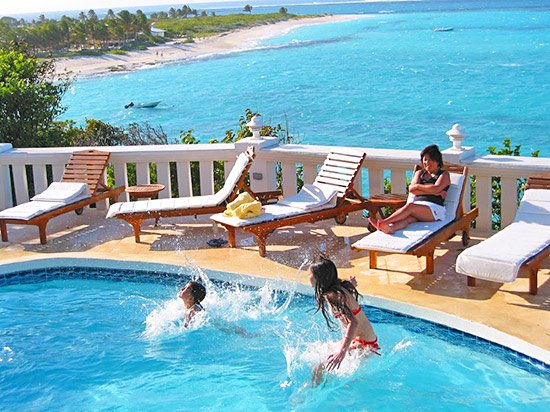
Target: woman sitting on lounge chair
x=429, y=187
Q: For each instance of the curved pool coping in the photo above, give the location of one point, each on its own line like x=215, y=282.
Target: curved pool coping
x=438, y=317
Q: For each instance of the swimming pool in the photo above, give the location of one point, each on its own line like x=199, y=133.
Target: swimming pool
x=92, y=338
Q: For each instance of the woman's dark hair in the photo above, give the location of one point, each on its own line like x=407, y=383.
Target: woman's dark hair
x=198, y=291
x=326, y=281
x=433, y=153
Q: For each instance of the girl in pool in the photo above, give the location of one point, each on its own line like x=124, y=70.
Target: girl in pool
x=341, y=296
x=429, y=186
x=192, y=294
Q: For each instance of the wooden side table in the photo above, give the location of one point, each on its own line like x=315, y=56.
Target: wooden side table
x=150, y=191
x=377, y=203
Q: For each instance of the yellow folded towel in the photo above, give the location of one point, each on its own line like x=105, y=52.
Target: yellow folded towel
x=244, y=197
x=244, y=206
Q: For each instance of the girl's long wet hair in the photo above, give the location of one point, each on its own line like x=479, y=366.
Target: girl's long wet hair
x=326, y=281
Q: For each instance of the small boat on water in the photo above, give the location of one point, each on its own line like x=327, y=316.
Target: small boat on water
x=444, y=29
x=149, y=105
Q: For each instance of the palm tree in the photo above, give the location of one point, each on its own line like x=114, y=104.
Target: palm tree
x=248, y=8
x=127, y=21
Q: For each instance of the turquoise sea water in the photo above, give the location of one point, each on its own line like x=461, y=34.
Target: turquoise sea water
x=386, y=81
x=96, y=339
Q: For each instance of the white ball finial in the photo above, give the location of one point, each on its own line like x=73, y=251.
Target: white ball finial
x=255, y=125
x=456, y=135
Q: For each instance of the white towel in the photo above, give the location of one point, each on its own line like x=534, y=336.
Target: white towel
x=26, y=211
x=311, y=197
x=64, y=192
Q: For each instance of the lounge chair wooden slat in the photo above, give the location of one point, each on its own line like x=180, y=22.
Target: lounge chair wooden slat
x=344, y=157
x=333, y=182
x=339, y=170
x=539, y=181
x=337, y=176
x=98, y=161
x=337, y=163
x=348, y=201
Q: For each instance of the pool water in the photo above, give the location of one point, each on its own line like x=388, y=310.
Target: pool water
x=97, y=339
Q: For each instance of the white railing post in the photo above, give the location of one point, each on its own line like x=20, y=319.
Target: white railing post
x=163, y=177
x=121, y=179
x=376, y=181
x=399, y=181
x=508, y=200
x=484, y=197
x=206, y=172
x=262, y=173
x=289, y=178
x=310, y=172
x=5, y=180
x=185, y=185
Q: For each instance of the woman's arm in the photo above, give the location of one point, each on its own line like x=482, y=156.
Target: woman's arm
x=441, y=183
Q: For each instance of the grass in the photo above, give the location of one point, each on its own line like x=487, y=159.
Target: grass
x=204, y=26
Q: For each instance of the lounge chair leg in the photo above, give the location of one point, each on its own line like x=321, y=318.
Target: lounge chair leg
x=372, y=259
x=262, y=245
x=4, y=230
x=533, y=284
x=137, y=230
x=42, y=232
x=430, y=264
x=231, y=236
x=471, y=281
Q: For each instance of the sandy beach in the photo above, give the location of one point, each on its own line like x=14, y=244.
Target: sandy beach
x=238, y=40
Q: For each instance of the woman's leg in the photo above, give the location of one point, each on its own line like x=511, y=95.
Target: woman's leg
x=404, y=216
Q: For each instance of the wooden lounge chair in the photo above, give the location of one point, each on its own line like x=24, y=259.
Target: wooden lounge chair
x=136, y=212
x=525, y=243
x=81, y=185
x=333, y=187
x=421, y=238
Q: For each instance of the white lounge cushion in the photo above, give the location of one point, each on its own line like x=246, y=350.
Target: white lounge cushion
x=500, y=257
x=404, y=240
x=311, y=196
x=65, y=192
x=183, y=203
x=271, y=212
x=26, y=211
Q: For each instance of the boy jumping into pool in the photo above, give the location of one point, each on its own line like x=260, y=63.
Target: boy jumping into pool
x=341, y=296
x=192, y=294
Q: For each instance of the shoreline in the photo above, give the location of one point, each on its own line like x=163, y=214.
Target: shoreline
x=173, y=52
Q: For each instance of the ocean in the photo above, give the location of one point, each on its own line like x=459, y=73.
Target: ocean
x=386, y=81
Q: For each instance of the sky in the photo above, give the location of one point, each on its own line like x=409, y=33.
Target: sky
x=8, y=7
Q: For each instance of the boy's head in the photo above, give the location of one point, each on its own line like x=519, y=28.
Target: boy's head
x=192, y=293
x=198, y=291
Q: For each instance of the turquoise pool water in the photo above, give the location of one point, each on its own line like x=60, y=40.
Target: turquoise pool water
x=97, y=339
x=387, y=81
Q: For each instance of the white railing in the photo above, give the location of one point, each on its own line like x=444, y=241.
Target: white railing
x=380, y=163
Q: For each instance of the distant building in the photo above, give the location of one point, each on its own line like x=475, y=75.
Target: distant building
x=155, y=31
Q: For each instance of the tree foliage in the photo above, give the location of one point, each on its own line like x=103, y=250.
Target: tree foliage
x=30, y=100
